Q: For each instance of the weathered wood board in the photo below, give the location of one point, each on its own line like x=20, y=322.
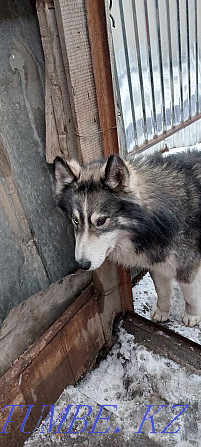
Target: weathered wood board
x=55, y=361
x=60, y=130
x=31, y=318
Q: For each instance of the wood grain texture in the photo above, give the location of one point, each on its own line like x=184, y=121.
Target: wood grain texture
x=125, y=289
x=10, y=394
x=43, y=381
x=106, y=283
x=58, y=359
x=36, y=314
x=60, y=131
x=46, y=338
x=73, y=32
x=83, y=338
x=97, y=25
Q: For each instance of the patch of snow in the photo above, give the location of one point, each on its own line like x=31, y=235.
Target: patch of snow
x=145, y=298
x=177, y=150
x=133, y=377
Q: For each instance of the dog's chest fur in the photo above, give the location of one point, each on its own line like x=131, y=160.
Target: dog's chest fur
x=124, y=254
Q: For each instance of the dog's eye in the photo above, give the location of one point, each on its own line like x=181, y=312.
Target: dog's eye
x=101, y=221
x=75, y=220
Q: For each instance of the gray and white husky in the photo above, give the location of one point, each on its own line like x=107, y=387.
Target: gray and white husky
x=144, y=212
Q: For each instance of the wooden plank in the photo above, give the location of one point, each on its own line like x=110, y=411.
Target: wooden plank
x=65, y=352
x=60, y=132
x=163, y=341
x=73, y=32
x=35, y=318
x=125, y=289
x=52, y=138
x=26, y=358
x=97, y=25
x=83, y=338
x=50, y=372
x=11, y=395
x=106, y=283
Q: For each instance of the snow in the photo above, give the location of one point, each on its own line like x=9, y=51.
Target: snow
x=131, y=377
x=177, y=150
x=145, y=298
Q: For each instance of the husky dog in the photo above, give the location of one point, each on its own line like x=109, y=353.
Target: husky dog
x=144, y=212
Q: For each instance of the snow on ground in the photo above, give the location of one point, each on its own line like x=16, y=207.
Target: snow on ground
x=132, y=377
x=176, y=150
x=145, y=298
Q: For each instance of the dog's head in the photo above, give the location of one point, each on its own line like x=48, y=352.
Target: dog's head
x=93, y=197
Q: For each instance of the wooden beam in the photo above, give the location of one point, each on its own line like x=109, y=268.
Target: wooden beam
x=58, y=359
x=101, y=60
x=98, y=35
x=35, y=318
x=60, y=131
x=47, y=337
x=106, y=284
x=125, y=289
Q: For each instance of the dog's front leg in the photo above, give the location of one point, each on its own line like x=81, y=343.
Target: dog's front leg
x=192, y=297
x=163, y=286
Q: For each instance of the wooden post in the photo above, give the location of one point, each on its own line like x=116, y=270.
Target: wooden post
x=98, y=35
x=60, y=131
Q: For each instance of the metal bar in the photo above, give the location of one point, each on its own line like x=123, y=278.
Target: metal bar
x=180, y=63
x=150, y=66
x=160, y=64
x=196, y=56
x=140, y=69
x=188, y=56
x=128, y=71
x=170, y=62
x=122, y=132
x=167, y=134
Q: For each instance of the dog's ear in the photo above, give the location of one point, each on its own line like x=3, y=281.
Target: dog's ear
x=65, y=173
x=116, y=173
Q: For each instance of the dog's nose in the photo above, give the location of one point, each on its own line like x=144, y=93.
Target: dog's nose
x=84, y=264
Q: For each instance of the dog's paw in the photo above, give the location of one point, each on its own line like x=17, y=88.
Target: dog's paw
x=159, y=315
x=191, y=320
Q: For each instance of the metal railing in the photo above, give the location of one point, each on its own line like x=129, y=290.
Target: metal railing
x=157, y=48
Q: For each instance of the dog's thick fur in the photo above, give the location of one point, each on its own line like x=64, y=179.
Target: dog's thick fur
x=146, y=213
